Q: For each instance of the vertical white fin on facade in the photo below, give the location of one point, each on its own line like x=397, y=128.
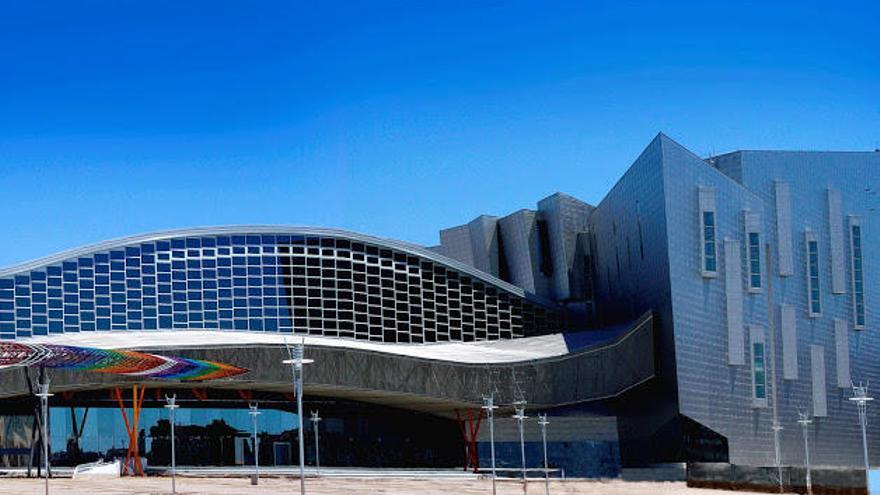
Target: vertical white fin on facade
x=789, y=342
x=841, y=344
x=783, y=229
x=817, y=368
x=734, y=295
x=835, y=229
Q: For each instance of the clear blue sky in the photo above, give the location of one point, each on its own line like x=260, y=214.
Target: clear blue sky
x=120, y=117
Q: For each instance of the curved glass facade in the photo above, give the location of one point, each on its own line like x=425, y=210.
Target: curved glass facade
x=327, y=285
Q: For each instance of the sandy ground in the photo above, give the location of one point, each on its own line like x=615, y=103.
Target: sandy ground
x=327, y=486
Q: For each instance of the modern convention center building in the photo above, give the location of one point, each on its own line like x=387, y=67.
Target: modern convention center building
x=700, y=303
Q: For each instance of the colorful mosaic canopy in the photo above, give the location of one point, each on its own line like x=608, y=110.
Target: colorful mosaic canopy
x=129, y=363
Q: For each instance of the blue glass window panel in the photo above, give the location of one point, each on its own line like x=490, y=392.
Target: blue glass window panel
x=270, y=325
x=88, y=326
x=150, y=323
x=255, y=281
x=239, y=292
x=178, y=265
x=132, y=251
x=136, y=305
x=212, y=263
x=102, y=269
x=102, y=300
x=22, y=301
x=118, y=297
x=149, y=301
x=23, y=313
x=179, y=307
x=133, y=272
x=86, y=284
x=254, y=271
x=225, y=303
x=134, y=294
x=102, y=258
x=253, y=260
x=54, y=281
x=103, y=311
x=54, y=271
x=117, y=287
x=255, y=291
x=210, y=316
x=193, y=242
x=164, y=288
x=7, y=294
x=149, y=291
x=7, y=305
x=178, y=286
x=55, y=304
x=163, y=267
x=270, y=301
x=40, y=329
x=117, y=266
x=240, y=313
x=103, y=324
x=163, y=246
x=211, y=305
x=180, y=296
x=71, y=287
x=209, y=242
x=71, y=298
x=102, y=280
x=238, y=240
x=256, y=324
x=86, y=294
x=163, y=256
x=86, y=305
x=193, y=253
x=40, y=319
x=210, y=284
x=22, y=290
x=69, y=266
x=150, y=312
x=282, y=239
x=134, y=315
x=118, y=308
x=239, y=282
x=194, y=274
x=164, y=277
x=241, y=324
x=195, y=306
x=180, y=317
x=165, y=321
x=86, y=272
x=255, y=302
x=223, y=241
x=87, y=315
x=165, y=310
x=270, y=270
x=224, y=262
x=38, y=286
x=253, y=250
x=239, y=271
x=270, y=312
x=224, y=293
x=164, y=298
x=178, y=243
x=102, y=290
x=149, y=270
x=149, y=280
x=7, y=316
x=117, y=319
x=194, y=295
x=117, y=255
x=71, y=308
x=148, y=248
x=117, y=277
x=270, y=291
x=6, y=283
x=70, y=277
x=40, y=276
x=239, y=260
x=225, y=325
x=255, y=312
x=178, y=254
x=253, y=240
x=210, y=294
x=56, y=327
x=178, y=275
x=71, y=320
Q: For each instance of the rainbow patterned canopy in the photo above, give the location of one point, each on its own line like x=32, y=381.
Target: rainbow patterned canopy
x=128, y=363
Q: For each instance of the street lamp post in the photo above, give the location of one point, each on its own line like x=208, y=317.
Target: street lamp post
x=805, y=421
x=256, y=443
x=489, y=406
x=315, y=420
x=172, y=406
x=297, y=361
x=44, y=407
x=542, y=420
x=860, y=397
x=520, y=417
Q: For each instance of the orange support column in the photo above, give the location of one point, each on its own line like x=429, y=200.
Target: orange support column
x=133, y=453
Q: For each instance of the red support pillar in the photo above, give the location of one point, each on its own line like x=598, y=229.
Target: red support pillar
x=469, y=431
x=133, y=452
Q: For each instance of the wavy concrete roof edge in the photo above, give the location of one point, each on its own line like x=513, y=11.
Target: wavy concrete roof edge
x=262, y=229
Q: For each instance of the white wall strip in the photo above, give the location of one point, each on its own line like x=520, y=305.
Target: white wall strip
x=789, y=342
x=734, y=295
x=841, y=344
x=817, y=368
x=783, y=229
x=835, y=229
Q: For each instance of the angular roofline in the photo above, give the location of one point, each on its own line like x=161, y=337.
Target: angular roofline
x=264, y=229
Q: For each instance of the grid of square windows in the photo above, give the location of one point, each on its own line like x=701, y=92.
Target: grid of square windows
x=275, y=283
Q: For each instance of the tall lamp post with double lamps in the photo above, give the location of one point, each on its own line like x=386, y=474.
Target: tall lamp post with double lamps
x=315, y=420
x=256, y=443
x=172, y=406
x=297, y=361
x=520, y=417
x=489, y=406
x=860, y=397
x=542, y=420
x=44, y=406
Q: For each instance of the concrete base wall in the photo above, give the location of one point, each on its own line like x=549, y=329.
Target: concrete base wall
x=825, y=481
